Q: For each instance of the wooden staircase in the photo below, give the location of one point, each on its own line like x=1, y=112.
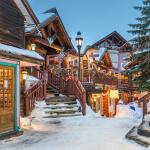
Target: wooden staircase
x=69, y=86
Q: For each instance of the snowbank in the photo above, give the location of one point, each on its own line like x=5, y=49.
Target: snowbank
x=35, y=120
x=30, y=81
x=130, y=111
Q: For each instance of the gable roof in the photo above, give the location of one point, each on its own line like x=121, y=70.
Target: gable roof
x=114, y=34
x=104, y=58
x=58, y=24
x=27, y=12
x=115, y=40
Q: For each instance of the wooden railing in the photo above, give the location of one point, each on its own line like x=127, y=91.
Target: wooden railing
x=76, y=88
x=36, y=72
x=144, y=101
x=87, y=76
x=57, y=81
x=68, y=86
x=36, y=93
x=101, y=78
x=127, y=84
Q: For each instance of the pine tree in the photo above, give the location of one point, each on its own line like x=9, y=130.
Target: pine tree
x=141, y=42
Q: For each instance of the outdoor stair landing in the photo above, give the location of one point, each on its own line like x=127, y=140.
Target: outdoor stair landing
x=61, y=106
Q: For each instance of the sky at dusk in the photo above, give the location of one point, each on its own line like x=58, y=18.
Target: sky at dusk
x=94, y=18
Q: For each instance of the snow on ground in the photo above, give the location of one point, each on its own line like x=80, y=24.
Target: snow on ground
x=91, y=132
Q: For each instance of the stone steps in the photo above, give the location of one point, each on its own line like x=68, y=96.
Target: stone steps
x=63, y=115
x=144, y=129
x=60, y=106
x=142, y=140
x=60, y=98
x=62, y=111
x=64, y=102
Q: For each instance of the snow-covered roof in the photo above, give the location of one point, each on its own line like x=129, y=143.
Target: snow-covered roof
x=101, y=53
x=24, y=11
x=20, y=52
x=98, y=54
x=140, y=52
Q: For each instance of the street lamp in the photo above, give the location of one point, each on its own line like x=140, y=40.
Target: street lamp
x=79, y=40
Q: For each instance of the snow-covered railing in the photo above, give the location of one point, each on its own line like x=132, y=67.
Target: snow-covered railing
x=68, y=86
x=144, y=102
x=36, y=93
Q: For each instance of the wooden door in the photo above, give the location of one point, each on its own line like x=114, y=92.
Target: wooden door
x=105, y=106
x=6, y=99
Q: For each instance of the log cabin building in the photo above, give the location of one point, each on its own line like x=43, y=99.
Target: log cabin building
x=108, y=58
x=53, y=43
x=13, y=59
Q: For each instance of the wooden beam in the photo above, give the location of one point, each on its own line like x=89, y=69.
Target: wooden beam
x=48, y=45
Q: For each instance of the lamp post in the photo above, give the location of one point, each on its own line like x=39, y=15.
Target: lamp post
x=79, y=40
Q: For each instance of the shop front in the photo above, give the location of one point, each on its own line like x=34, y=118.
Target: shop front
x=104, y=102
x=9, y=96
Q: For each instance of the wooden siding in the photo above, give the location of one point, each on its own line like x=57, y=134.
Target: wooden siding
x=11, y=24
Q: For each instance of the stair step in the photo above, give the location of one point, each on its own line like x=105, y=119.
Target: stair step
x=59, y=111
x=63, y=102
x=59, y=107
x=63, y=115
x=51, y=91
x=133, y=135
x=60, y=98
x=144, y=129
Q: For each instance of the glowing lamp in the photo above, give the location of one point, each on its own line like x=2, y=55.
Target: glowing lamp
x=79, y=40
x=24, y=75
x=33, y=47
x=91, y=60
x=69, y=59
x=114, y=94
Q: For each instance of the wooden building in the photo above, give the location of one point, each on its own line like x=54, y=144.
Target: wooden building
x=13, y=58
x=106, y=57
x=51, y=40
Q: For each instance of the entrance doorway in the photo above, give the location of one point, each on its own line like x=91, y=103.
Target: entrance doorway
x=6, y=99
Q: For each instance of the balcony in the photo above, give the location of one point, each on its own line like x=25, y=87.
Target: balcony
x=102, y=78
x=128, y=85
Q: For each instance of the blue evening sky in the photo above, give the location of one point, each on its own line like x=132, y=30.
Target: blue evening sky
x=94, y=18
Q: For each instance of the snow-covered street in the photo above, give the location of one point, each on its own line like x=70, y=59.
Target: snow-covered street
x=81, y=133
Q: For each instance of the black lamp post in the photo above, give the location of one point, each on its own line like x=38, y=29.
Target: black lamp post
x=79, y=40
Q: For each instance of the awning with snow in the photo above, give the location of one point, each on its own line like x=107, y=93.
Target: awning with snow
x=21, y=54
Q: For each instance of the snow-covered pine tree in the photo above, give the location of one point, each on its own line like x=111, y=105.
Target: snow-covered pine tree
x=141, y=42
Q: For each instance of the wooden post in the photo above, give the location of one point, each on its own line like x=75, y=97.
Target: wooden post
x=45, y=82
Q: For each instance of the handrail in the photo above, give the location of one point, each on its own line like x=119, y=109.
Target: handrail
x=69, y=86
x=36, y=93
x=105, y=79
x=76, y=88
x=127, y=84
x=144, y=101
x=145, y=97
x=37, y=71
